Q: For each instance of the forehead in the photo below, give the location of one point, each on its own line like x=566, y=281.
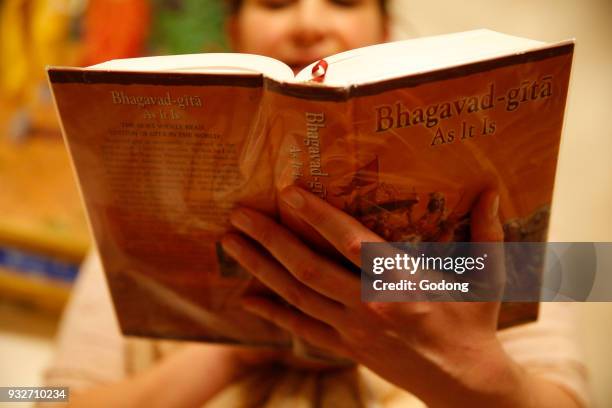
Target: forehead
x=234, y=6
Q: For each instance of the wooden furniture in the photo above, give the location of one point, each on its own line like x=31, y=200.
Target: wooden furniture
x=43, y=232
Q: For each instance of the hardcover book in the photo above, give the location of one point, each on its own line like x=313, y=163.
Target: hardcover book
x=402, y=135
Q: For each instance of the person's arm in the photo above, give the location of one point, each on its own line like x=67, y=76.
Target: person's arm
x=91, y=357
x=447, y=354
x=549, y=394
x=187, y=378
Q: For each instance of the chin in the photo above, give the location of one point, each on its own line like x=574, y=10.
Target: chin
x=297, y=68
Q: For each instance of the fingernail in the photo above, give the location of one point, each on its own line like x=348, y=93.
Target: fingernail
x=231, y=246
x=494, y=209
x=241, y=220
x=293, y=198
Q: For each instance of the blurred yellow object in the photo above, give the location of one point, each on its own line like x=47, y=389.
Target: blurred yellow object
x=49, y=34
x=33, y=34
x=43, y=295
x=40, y=215
x=40, y=209
x=14, y=64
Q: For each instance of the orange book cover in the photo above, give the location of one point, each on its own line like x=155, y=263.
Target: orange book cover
x=162, y=157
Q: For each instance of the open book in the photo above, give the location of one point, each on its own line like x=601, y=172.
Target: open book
x=402, y=135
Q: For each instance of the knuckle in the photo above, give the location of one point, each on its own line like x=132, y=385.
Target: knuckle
x=352, y=245
x=250, y=260
x=307, y=274
x=266, y=236
x=316, y=215
x=295, y=297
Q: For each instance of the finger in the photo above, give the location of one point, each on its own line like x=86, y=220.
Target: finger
x=485, y=223
x=305, y=327
x=488, y=237
x=339, y=228
x=312, y=270
x=273, y=275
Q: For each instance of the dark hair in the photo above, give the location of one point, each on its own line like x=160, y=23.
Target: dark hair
x=233, y=6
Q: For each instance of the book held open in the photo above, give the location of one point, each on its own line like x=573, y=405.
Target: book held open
x=403, y=136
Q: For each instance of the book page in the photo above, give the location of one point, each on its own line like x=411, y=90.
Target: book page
x=425, y=54
x=211, y=63
x=161, y=160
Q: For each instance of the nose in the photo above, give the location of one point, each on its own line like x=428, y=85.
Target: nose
x=311, y=22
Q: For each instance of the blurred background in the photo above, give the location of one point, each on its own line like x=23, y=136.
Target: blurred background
x=43, y=232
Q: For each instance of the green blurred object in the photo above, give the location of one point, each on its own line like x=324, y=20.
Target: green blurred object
x=187, y=26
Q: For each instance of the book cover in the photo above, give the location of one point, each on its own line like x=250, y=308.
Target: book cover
x=162, y=157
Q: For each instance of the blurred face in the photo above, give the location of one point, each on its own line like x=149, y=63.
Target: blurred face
x=299, y=32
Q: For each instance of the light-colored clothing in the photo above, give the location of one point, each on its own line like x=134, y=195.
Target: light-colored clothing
x=91, y=350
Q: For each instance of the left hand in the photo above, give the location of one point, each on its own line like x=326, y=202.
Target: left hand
x=422, y=347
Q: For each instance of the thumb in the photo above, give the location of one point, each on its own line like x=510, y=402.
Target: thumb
x=485, y=223
x=486, y=227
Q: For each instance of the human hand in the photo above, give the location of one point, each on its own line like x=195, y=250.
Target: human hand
x=420, y=346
